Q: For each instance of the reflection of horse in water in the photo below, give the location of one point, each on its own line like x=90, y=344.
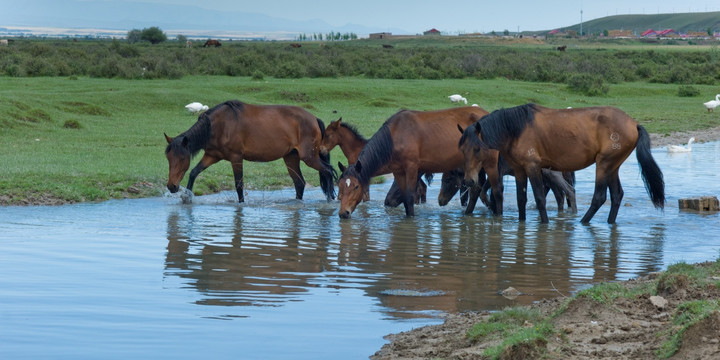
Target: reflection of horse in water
x=235, y=131
x=531, y=137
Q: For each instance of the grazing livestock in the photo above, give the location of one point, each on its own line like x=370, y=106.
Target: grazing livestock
x=295, y=45
x=562, y=48
x=712, y=104
x=457, y=98
x=388, y=46
x=408, y=144
x=215, y=43
x=235, y=131
x=532, y=137
x=3, y=42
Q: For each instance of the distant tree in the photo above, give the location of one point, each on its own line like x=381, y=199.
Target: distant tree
x=320, y=36
x=153, y=34
x=606, y=33
x=133, y=36
x=506, y=32
x=710, y=31
x=182, y=39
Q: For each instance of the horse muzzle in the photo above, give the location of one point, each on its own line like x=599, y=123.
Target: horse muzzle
x=344, y=214
x=173, y=188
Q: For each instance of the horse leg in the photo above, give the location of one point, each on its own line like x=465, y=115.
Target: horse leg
x=203, y=164
x=521, y=186
x=408, y=186
x=494, y=182
x=598, y=198
x=237, y=167
x=292, y=163
x=420, y=191
x=538, y=186
x=616, y=195
x=554, y=181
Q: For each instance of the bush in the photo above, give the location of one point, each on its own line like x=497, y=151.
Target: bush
x=688, y=91
x=257, y=75
x=588, y=85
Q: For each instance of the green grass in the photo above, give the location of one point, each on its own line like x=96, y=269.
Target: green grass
x=115, y=140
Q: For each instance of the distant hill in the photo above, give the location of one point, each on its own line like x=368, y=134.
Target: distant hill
x=681, y=22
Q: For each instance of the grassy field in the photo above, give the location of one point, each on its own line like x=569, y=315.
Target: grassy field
x=86, y=139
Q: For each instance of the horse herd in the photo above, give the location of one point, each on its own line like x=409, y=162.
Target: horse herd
x=472, y=148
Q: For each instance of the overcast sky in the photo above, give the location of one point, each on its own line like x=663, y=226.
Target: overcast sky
x=452, y=16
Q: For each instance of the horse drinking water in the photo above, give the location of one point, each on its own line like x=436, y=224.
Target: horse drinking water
x=408, y=143
x=235, y=131
x=531, y=137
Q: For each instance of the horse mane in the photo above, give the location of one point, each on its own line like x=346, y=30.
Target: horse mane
x=376, y=153
x=354, y=131
x=197, y=137
x=505, y=125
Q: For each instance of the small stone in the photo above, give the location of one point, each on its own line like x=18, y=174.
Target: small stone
x=510, y=293
x=658, y=301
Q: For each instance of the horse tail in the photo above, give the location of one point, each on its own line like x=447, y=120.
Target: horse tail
x=651, y=173
x=321, y=124
x=328, y=174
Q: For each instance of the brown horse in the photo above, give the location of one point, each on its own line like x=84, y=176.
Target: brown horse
x=531, y=137
x=351, y=143
x=409, y=143
x=235, y=131
x=215, y=43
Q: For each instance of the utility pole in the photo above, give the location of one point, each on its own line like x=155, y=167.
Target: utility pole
x=581, y=23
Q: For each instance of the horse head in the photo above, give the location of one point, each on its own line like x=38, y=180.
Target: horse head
x=331, y=138
x=451, y=183
x=351, y=189
x=475, y=151
x=178, y=156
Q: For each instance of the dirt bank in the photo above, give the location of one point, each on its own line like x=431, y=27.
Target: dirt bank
x=633, y=327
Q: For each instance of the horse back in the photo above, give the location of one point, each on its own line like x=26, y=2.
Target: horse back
x=430, y=138
x=265, y=132
x=572, y=139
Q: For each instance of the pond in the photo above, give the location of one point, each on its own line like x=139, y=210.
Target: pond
x=277, y=278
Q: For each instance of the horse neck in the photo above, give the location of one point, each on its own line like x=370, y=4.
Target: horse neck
x=351, y=144
x=198, y=135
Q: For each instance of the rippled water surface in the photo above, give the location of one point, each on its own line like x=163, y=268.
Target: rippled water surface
x=277, y=278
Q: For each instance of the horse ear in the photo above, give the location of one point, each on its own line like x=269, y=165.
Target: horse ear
x=167, y=138
x=341, y=167
x=358, y=166
x=477, y=128
x=460, y=128
x=184, y=141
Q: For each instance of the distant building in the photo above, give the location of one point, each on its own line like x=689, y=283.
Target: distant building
x=557, y=32
x=620, y=34
x=649, y=33
x=382, y=35
x=432, y=31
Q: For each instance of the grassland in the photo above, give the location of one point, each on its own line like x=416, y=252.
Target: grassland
x=68, y=139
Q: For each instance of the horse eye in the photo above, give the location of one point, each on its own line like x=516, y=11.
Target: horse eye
x=356, y=187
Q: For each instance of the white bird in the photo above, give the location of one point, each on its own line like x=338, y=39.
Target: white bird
x=680, y=148
x=196, y=107
x=712, y=104
x=457, y=98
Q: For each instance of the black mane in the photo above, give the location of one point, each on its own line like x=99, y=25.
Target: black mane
x=354, y=131
x=376, y=153
x=505, y=125
x=197, y=137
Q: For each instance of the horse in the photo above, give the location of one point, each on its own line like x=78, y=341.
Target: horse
x=351, y=142
x=561, y=184
x=236, y=131
x=532, y=137
x=409, y=143
x=215, y=43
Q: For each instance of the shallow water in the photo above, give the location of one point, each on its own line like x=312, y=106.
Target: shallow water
x=277, y=278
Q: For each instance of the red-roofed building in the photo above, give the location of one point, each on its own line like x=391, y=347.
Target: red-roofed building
x=648, y=33
x=432, y=31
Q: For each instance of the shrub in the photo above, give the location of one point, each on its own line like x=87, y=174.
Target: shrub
x=688, y=91
x=588, y=85
x=257, y=75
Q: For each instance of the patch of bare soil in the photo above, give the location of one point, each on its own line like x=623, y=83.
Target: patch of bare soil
x=628, y=328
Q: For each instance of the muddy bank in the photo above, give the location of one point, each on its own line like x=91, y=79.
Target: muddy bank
x=633, y=327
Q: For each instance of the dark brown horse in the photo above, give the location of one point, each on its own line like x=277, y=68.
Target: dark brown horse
x=351, y=143
x=409, y=143
x=235, y=131
x=215, y=43
x=531, y=137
